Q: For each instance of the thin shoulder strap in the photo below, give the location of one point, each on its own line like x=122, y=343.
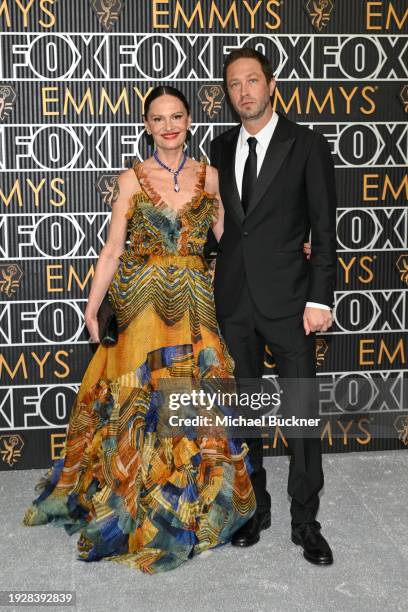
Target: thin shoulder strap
x=135, y=167
x=202, y=173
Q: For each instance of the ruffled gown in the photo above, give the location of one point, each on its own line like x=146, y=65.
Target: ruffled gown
x=148, y=501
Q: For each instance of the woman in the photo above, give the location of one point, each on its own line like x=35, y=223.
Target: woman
x=147, y=501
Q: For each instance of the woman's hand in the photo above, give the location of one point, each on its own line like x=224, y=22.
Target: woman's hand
x=91, y=323
x=307, y=249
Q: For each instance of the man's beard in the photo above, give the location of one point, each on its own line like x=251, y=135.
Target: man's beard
x=255, y=113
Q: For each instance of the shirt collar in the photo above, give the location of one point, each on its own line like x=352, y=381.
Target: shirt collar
x=263, y=136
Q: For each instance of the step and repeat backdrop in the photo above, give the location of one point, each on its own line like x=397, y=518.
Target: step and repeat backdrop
x=74, y=75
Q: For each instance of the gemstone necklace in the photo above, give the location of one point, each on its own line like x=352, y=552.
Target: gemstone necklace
x=175, y=173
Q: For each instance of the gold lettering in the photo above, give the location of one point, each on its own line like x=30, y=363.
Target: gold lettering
x=5, y=9
x=294, y=99
x=114, y=109
x=328, y=103
x=25, y=10
x=345, y=430
x=41, y=362
x=391, y=16
x=156, y=14
x=370, y=277
x=311, y=96
x=389, y=186
x=141, y=96
x=20, y=363
x=17, y=193
x=367, y=439
x=15, y=189
x=372, y=108
x=273, y=26
x=188, y=22
x=348, y=97
x=327, y=430
x=391, y=11
x=223, y=22
x=51, y=23
x=51, y=277
x=58, y=359
x=347, y=267
x=72, y=274
x=61, y=193
x=252, y=12
x=45, y=101
x=86, y=98
x=399, y=350
x=279, y=433
x=57, y=445
x=391, y=358
x=36, y=190
x=370, y=14
x=367, y=185
x=364, y=351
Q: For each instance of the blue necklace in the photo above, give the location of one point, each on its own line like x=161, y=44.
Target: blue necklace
x=175, y=173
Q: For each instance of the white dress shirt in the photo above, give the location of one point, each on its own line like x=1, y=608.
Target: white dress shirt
x=263, y=138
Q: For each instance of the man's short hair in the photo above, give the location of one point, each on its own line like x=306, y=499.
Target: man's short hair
x=247, y=52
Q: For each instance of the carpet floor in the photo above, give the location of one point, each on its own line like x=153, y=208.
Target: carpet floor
x=364, y=516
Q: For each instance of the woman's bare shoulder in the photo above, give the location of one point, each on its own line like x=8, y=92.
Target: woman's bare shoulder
x=127, y=180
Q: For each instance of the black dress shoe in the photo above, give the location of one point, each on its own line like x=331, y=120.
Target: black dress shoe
x=315, y=548
x=248, y=534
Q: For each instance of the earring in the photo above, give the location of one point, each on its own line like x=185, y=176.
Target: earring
x=148, y=132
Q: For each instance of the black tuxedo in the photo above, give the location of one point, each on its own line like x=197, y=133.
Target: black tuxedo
x=263, y=279
x=295, y=190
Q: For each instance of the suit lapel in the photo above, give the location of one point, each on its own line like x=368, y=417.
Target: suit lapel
x=278, y=148
x=231, y=194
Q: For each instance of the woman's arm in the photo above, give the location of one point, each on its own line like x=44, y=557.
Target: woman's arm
x=212, y=186
x=108, y=260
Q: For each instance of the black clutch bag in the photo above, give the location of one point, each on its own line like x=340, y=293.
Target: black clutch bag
x=107, y=323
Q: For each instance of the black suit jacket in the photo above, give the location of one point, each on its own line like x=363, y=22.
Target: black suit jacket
x=295, y=192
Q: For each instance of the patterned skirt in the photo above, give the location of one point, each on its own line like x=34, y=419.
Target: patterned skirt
x=137, y=497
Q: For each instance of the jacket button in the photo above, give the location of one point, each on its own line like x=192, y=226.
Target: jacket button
x=245, y=234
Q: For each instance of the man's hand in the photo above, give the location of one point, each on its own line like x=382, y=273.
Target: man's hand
x=307, y=249
x=316, y=319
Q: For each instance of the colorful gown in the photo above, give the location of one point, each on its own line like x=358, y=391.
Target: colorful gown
x=148, y=501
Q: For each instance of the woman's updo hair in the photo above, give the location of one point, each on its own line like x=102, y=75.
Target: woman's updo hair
x=165, y=90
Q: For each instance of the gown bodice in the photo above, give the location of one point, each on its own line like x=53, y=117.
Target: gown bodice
x=155, y=228
x=164, y=266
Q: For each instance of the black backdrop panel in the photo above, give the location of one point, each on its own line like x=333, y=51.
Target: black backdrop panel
x=73, y=78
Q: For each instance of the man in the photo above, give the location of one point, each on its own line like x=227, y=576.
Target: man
x=276, y=183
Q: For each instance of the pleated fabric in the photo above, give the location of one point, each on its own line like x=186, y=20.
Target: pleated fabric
x=134, y=496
